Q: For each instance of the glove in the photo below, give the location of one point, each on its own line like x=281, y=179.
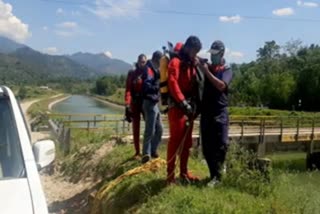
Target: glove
x=128, y=114
x=186, y=107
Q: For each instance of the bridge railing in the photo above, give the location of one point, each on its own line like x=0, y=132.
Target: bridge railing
x=238, y=125
x=263, y=134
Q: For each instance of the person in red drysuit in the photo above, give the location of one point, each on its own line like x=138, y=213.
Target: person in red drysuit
x=133, y=99
x=183, y=91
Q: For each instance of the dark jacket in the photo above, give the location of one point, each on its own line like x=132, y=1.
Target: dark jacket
x=151, y=83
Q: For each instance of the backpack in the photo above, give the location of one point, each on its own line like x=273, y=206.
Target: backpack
x=169, y=54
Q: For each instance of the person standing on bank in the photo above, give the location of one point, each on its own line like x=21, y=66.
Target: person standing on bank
x=183, y=91
x=133, y=100
x=214, y=114
x=151, y=98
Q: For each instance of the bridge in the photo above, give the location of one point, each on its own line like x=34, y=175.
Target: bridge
x=263, y=134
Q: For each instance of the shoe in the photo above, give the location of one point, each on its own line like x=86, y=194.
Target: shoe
x=213, y=183
x=224, y=169
x=137, y=157
x=189, y=177
x=171, y=181
x=155, y=155
x=145, y=159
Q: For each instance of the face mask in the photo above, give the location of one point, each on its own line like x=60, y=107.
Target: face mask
x=215, y=59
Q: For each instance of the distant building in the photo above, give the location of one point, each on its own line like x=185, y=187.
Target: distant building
x=45, y=88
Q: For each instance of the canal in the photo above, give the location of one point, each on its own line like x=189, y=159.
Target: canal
x=79, y=106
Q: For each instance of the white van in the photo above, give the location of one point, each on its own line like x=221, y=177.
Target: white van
x=20, y=186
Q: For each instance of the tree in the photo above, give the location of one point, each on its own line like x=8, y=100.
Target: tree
x=22, y=93
x=269, y=51
x=292, y=47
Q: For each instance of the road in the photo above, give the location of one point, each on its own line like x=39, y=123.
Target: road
x=35, y=136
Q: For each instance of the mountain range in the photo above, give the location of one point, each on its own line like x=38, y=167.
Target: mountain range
x=22, y=64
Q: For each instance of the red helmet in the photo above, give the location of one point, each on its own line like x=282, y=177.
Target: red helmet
x=178, y=46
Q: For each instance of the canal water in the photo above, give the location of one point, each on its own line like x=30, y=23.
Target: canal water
x=81, y=104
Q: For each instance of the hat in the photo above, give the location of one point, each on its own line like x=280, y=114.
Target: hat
x=217, y=47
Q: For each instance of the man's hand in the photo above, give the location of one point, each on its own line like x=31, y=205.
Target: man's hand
x=128, y=114
x=200, y=61
x=203, y=67
x=186, y=107
x=196, y=61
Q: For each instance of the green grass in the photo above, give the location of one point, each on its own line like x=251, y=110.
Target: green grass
x=289, y=189
x=32, y=92
x=254, y=111
x=242, y=190
x=83, y=146
x=42, y=106
x=118, y=98
x=293, y=161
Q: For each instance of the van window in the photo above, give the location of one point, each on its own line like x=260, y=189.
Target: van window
x=11, y=159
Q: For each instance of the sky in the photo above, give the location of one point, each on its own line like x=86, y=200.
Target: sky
x=125, y=28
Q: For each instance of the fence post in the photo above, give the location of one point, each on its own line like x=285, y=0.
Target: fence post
x=298, y=129
x=67, y=140
x=312, y=137
x=123, y=126
x=262, y=145
x=94, y=120
x=260, y=136
x=281, y=128
x=117, y=130
x=242, y=131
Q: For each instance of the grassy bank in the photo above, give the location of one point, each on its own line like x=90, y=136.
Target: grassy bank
x=242, y=190
x=288, y=189
x=42, y=106
x=118, y=98
x=254, y=111
x=33, y=92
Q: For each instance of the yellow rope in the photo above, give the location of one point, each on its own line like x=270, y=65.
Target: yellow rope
x=151, y=166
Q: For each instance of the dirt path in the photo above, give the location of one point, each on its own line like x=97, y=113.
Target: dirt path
x=35, y=136
x=63, y=196
x=66, y=197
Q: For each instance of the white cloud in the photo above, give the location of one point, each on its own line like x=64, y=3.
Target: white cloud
x=75, y=13
x=65, y=33
x=204, y=54
x=45, y=28
x=234, y=55
x=307, y=4
x=288, y=11
x=69, y=29
x=230, y=55
x=108, y=54
x=60, y=11
x=50, y=50
x=149, y=56
x=11, y=26
x=232, y=19
x=107, y=9
x=68, y=25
